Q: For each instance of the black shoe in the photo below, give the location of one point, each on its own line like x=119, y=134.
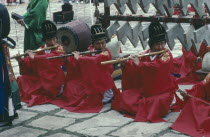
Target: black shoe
x=4, y=124
x=16, y=116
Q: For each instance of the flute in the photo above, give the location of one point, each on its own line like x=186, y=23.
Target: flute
x=35, y=51
x=125, y=59
x=201, y=100
x=81, y=53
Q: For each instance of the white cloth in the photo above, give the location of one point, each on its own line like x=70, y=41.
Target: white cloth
x=108, y=95
x=174, y=101
x=152, y=57
x=2, y=2
x=11, y=107
x=47, y=51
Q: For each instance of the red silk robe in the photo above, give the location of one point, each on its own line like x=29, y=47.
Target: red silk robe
x=186, y=65
x=194, y=119
x=87, y=81
x=10, y=1
x=41, y=79
x=148, y=89
x=190, y=9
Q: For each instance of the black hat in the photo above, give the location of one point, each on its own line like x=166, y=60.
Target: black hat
x=49, y=30
x=98, y=33
x=157, y=33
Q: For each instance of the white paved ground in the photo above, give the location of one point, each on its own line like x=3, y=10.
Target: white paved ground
x=52, y=121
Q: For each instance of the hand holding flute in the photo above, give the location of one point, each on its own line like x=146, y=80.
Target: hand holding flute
x=30, y=53
x=76, y=53
x=35, y=51
x=134, y=58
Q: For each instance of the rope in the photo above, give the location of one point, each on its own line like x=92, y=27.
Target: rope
x=17, y=37
x=91, y=13
x=49, y=9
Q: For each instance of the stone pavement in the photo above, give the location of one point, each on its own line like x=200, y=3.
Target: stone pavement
x=51, y=121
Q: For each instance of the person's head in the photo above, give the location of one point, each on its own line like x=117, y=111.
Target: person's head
x=98, y=37
x=49, y=31
x=157, y=36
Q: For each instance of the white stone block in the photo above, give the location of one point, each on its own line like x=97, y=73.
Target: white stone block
x=51, y=122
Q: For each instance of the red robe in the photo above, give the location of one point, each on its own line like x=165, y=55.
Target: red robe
x=41, y=79
x=186, y=65
x=190, y=9
x=148, y=89
x=87, y=81
x=194, y=119
x=9, y=1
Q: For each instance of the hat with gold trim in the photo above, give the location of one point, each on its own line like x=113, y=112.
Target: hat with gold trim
x=157, y=33
x=49, y=30
x=98, y=33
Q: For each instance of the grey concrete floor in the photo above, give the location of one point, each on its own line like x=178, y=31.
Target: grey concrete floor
x=51, y=121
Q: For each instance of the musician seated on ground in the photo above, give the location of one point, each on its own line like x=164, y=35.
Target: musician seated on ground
x=148, y=88
x=89, y=83
x=190, y=62
x=194, y=118
x=41, y=80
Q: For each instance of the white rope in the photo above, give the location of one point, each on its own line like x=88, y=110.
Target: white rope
x=91, y=13
x=77, y=9
x=49, y=9
x=84, y=10
x=17, y=37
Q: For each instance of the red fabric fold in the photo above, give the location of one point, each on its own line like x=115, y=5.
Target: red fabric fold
x=149, y=89
x=187, y=66
x=41, y=79
x=194, y=119
x=87, y=82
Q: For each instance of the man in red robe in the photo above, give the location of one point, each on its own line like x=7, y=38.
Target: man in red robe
x=148, y=87
x=9, y=2
x=194, y=119
x=89, y=84
x=177, y=10
x=190, y=62
x=41, y=80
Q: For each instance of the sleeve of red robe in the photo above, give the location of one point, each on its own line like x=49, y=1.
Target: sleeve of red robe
x=156, y=76
x=131, y=78
x=73, y=69
x=27, y=67
x=97, y=76
x=50, y=71
x=196, y=91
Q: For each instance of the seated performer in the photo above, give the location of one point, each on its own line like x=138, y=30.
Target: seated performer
x=194, y=119
x=41, y=80
x=148, y=87
x=89, y=84
x=190, y=62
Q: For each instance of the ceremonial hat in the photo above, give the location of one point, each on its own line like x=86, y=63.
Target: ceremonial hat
x=49, y=30
x=97, y=33
x=157, y=33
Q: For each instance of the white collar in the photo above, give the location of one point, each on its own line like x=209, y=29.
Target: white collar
x=48, y=50
x=152, y=57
